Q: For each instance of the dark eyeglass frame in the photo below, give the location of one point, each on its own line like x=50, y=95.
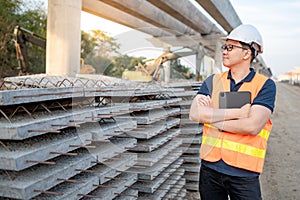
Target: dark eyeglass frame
x=229, y=47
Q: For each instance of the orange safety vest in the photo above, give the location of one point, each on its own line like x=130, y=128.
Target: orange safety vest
x=239, y=150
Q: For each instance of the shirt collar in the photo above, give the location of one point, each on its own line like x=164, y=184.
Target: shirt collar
x=248, y=78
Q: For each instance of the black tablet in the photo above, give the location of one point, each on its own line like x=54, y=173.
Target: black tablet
x=234, y=99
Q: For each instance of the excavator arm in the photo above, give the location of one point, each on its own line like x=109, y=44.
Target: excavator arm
x=21, y=37
x=166, y=56
x=151, y=71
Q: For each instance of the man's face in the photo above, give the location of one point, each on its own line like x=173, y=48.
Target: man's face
x=233, y=53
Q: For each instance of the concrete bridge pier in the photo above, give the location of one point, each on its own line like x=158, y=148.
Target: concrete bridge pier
x=218, y=56
x=199, y=58
x=63, y=37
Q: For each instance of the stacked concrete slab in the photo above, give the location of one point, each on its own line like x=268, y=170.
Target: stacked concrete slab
x=190, y=133
x=82, y=140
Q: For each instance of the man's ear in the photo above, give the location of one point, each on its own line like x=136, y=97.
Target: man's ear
x=247, y=54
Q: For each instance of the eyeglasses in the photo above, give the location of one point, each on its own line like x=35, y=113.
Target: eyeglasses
x=229, y=47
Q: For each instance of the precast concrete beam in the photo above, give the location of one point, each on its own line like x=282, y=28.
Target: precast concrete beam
x=146, y=131
x=208, y=43
x=165, y=187
x=183, y=94
x=188, y=14
x=186, y=121
x=150, y=173
x=222, y=12
x=147, y=117
x=106, y=80
x=16, y=156
x=107, y=129
x=193, y=149
x=108, y=12
x=191, y=158
x=185, y=111
x=156, y=142
x=128, y=194
x=149, y=159
x=191, y=176
x=182, y=193
x=23, y=127
x=171, y=122
x=149, y=13
x=190, y=129
x=30, y=182
x=120, y=92
x=191, y=167
x=191, y=139
x=185, y=104
x=151, y=187
x=175, y=192
x=172, y=111
x=192, y=185
x=84, y=184
x=260, y=60
x=114, y=187
x=112, y=167
x=22, y=96
x=150, y=131
x=187, y=85
x=149, y=105
x=104, y=150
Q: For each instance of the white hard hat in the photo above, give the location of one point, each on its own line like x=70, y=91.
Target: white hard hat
x=248, y=34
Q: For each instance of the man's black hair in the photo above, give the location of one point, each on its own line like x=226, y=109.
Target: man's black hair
x=253, y=51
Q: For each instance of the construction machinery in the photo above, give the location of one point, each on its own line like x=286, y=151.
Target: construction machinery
x=21, y=37
x=151, y=70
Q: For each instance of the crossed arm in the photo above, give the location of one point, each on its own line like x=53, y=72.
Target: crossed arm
x=246, y=120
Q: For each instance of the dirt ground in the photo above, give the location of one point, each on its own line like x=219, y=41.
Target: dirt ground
x=280, y=179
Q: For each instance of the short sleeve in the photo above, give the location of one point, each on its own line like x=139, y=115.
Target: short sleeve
x=266, y=96
x=206, y=87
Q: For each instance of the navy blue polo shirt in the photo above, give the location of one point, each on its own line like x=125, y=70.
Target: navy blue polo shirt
x=265, y=97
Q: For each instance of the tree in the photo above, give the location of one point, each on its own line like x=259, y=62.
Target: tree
x=27, y=14
x=8, y=18
x=97, y=49
x=181, y=71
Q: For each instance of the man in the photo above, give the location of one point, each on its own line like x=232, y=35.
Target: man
x=234, y=141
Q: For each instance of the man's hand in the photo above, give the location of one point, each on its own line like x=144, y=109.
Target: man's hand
x=204, y=100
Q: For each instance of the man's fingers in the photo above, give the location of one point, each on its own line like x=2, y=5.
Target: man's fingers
x=204, y=101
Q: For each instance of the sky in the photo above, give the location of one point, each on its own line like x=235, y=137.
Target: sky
x=277, y=20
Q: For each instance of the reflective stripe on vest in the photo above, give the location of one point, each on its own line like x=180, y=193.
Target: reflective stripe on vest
x=235, y=146
x=239, y=150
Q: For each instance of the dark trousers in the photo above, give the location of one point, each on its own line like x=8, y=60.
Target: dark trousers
x=217, y=186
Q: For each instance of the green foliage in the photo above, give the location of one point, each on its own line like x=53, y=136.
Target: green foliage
x=8, y=18
x=27, y=14
x=122, y=63
x=98, y=43
x=87, y=45
x=102, y=52
x=180, y=71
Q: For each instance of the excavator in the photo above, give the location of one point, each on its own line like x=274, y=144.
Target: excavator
x=150, y=71
x=21, y=37
x=143, y=73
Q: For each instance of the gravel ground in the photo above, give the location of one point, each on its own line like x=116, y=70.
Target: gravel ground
x=280, y=178
x=192, y=196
